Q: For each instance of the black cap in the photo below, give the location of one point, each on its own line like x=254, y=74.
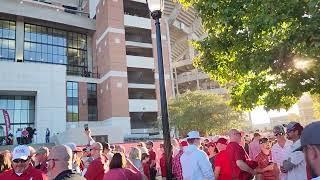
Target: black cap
x=310, y=135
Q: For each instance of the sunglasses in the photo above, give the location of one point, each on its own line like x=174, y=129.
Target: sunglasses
x=96, y=149
x=52, y=160
x=278, y=134
x=264, y=140
x=238, y=133
x=20, y=161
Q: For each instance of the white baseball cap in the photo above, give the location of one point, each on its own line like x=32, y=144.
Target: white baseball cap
x=21, y=152
x=193, y=135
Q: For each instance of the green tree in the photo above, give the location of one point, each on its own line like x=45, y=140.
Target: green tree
x=269, y=50
x=316, y=106
x=205, y=112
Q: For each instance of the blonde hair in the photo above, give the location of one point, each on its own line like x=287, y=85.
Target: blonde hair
x=135, y=153
x=5, y=161
x=144, y=150
x=119, y=148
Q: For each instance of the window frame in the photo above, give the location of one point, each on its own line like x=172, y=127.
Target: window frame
x=58, y=44
x=92, y=91
x=72, y=103
x=9, y=39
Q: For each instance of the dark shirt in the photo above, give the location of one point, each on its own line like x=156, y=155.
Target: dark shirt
x=68, y=174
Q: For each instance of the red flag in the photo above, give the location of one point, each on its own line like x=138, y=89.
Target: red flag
x=7, y=122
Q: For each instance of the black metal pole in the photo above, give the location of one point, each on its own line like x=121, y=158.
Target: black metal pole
x=156, y=15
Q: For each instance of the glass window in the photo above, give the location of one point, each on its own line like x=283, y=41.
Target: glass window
x=138, y=34
x=20, y=109
x=7, y=40
x=49, y=45
x=92, y=102
x=72, y=101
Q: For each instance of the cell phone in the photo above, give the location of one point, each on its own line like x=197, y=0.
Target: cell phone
x=86, y=127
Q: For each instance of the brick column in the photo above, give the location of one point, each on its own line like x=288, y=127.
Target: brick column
x=110, y=56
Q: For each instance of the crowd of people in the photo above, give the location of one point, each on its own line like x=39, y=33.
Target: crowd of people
x=22, y=136
x=290, y=153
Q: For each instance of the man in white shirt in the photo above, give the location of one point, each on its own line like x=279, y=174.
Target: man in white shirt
x=310, y=145
x=295, y=165
x=279, y=151
x=195, y=162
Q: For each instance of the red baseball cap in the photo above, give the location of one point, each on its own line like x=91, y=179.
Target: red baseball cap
x=222, y=141
x=184, y=143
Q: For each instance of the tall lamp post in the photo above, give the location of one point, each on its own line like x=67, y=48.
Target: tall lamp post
x=156, y=8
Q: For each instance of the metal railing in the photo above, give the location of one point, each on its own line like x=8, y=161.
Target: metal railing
x=64, y=8
x=81, y=71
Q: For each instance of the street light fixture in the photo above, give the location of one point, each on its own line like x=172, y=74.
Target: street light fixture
x=156, y=8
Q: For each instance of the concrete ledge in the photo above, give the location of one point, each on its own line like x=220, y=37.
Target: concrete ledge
x=45, y=12
x=36, y=146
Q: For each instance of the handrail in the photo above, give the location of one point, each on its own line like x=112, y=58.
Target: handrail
x=67, y=10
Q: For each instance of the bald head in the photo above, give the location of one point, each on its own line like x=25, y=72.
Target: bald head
x=96, y=145
x=62, y=153
x=96, y=149
x=59, y=160
x=232, y=132
x=235, y=135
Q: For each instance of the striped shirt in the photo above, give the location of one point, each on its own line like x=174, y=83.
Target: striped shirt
x=280, y=154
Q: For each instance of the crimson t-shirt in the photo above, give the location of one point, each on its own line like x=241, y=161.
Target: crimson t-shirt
x=221, y=160
x=152, y=156
x=163, y=166
x=146, y=170
x=96, y=169
x=235, y=152
x=30, y=173
x=263, y=161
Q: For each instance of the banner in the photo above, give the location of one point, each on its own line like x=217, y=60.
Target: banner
x=7, y=122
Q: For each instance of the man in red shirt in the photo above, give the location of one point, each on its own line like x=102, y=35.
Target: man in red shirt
x=41, y=159
x=21, y=168
x=163, y=166
x=270, y=171
x=152, y=156
x=97, y=167
x=222, y=169
x=240, y=170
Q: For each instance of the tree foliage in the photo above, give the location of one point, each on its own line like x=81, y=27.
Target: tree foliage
x=316, y=106
x=205, y=112
x=268, y=49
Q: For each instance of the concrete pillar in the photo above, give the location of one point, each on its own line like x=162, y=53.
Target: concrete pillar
x=176, y=80
x=83, y=101
x=19, y=39
x=170, y=58
x=89, y=53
